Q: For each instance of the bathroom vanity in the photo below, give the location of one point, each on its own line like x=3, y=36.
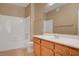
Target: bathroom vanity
x=56, y=45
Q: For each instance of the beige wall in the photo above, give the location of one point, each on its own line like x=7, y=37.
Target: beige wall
x=12, y=10
x=65, y=20
x=28, y=10
x=66, y=15
x=39, y=17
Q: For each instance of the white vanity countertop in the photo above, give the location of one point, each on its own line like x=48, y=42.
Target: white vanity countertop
x=68, y=40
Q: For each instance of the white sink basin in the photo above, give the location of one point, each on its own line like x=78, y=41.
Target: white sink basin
x=50, y=36
x=65, y=38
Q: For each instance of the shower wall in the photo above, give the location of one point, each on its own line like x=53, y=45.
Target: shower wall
x=12, y=32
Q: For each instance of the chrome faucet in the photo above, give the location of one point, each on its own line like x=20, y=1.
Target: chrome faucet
x=56, y=36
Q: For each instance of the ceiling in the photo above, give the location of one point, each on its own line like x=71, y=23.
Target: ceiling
x=53, y=6
x=20, y=4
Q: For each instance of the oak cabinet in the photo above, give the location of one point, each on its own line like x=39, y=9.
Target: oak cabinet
x=37, y=40
x=36, y=47
x=74, y=52
x=46, y=52
x=57, y=54
x=43, y=47
x=47, y=44
x=46, y=48
x=62, y=50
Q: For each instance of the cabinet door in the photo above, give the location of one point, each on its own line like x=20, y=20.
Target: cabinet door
x=62, y=50
x=47, y=44
x=36, y=40
x=46, y=52
x=57, y=54
x=74, y=52
x=36, y=48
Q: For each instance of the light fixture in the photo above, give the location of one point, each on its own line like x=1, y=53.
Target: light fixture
x=50, y=4
x=58, y=9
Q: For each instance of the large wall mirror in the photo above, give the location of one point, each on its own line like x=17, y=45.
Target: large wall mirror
x=65, y=18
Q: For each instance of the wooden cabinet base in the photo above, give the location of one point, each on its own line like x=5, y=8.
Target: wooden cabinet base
x=74, y=52
x=62, y=50
x=46, y=48
x=36, y=49
x=57, y=54
x=46, y=52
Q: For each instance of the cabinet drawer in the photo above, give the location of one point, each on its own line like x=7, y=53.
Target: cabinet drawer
x=46, y=52
x=36, y=40
x=74, y=52
x=47, y=44
x=62, y=50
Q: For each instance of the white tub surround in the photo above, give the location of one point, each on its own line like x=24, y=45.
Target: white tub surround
x=12, y=32
x=68, y=40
